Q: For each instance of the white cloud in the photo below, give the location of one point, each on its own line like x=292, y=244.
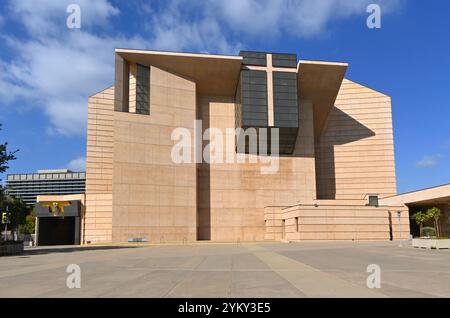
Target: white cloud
x=174, y=28
x=428, y=161
x=61, y=75
x=77, y=164
x=49, y=16
x=297, y=18
x=206, y=25
x=57, y=68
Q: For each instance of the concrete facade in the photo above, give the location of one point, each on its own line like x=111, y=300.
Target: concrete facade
x=355, y=152
x=343, y=153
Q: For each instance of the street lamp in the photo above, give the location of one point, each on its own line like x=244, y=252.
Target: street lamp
x=399, y=214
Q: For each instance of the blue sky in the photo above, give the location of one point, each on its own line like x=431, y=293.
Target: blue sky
x=47, y=71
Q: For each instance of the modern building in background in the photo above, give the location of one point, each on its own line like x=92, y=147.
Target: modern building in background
x=45, y=182
x=336, y=152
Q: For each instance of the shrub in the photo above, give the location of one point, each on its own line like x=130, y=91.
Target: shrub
x=420, y=219
x=429, y=231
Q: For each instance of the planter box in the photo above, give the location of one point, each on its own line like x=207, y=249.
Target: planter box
x=12, y=248
x=431, y=243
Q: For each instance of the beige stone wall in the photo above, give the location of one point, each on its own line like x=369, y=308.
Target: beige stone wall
x=135, y=190
x=273, y=219
x=337, y=222
x=99, y=167
x=232, y=197
x=154, y=197
x=355, y=154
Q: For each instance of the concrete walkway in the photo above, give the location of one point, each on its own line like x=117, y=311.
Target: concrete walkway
x=228, y=270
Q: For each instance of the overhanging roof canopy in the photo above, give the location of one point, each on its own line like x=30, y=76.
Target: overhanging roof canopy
x=430, y=196
x=320, y=82
x=216, y=75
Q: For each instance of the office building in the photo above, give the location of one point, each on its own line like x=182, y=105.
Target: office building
x=45, y=182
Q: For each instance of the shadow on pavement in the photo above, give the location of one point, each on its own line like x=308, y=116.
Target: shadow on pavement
x=71, y=249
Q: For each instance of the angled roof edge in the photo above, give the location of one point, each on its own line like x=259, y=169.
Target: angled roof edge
x=179, y=54
x=320, y=82
x=215, y=75
x=317, y=62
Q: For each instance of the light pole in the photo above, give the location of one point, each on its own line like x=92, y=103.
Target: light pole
x=399, y=214
x=6, y=224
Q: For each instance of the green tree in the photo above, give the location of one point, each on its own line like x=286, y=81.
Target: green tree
x=434, y=214
x=5, y=156
x=421, y=218
x=30, y=223
x=17, y=210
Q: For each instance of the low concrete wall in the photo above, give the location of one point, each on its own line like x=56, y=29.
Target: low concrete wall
x=337, y=222
x=11, y=248
x=431, y=243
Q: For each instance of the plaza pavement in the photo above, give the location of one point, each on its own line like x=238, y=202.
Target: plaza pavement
x=326, y=269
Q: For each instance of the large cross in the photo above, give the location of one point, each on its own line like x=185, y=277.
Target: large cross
x=269, y=69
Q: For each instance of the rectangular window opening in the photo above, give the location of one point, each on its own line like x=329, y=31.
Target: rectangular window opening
x=142, y=89
x=373, y=200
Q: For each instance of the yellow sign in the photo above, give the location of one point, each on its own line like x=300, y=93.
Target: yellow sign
x=56, y=208
x=5, y=218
